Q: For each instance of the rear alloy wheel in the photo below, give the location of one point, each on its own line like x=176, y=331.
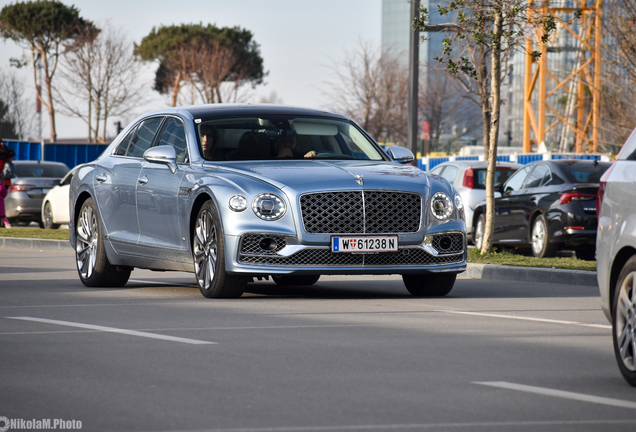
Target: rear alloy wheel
x=430, y=284
x=478, y=231
x=290, y=280
x=209, y=257
x=90, y=255
x=541, y=246
x=47, y=217
x=624, y=321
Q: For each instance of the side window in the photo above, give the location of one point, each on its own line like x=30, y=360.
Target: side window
x=122, y=148
x=437, y=170
x=174, y=135
x=516, y=181
x=536, y=177
x=450, y=173
x=144, y=137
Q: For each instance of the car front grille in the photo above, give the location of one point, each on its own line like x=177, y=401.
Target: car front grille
x=361, y=212
x=252, y=254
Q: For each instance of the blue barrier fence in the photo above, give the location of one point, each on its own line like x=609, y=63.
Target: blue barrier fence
x=70, y=154
x=429, y=162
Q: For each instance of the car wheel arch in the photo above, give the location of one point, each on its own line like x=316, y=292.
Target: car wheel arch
x=201, y=199
x=78, y=205
x=620, y=260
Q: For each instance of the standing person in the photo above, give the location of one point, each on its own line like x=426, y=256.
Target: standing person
x=3, y=193
x=5, y=157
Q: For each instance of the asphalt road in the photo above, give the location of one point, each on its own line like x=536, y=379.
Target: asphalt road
x=349, y=354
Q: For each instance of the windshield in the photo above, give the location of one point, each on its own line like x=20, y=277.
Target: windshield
x=40, y=170
x=283, y=137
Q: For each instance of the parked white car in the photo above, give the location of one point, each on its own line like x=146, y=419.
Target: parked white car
x=55, y=204
x=616, y=255
x=469, y=179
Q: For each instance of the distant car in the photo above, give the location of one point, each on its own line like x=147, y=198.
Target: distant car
x=616, y=255
x=55, y=204
x=547, y=205
x=469, y=178
x=29, y=184
x=233, y=192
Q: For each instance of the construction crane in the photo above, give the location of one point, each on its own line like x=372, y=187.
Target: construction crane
x=582, y=38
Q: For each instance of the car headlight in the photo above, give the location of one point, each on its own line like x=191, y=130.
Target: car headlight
x=441, y=206
x=269, y=207
x=459, y=203
x=237, y=203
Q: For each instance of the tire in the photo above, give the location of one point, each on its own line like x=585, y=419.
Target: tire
x=209, y=257
x=90, y=255
x=429, y=285
x=624, y=321
x=47, y=217
x=289, y=280
x=478, y=231
x=539, y=241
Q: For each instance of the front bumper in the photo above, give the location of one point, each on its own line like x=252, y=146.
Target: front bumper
x=287, y=256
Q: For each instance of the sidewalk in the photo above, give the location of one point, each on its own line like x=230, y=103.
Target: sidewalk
x=473, y=271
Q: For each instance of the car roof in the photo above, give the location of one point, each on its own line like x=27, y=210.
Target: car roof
x=244, y=109
x=478, y=164
x=33, y=162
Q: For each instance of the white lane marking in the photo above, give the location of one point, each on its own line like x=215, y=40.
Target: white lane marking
x=560, y=393
x=115, y=330
x=552, y=321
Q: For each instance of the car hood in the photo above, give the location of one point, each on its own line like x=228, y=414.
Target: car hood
x=310, y=175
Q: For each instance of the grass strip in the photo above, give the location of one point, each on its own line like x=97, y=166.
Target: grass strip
x=51, y=234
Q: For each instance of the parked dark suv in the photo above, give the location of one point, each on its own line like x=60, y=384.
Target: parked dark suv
x=30, y=182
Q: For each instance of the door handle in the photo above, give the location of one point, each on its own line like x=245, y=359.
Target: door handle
x=101, y=178
x=143, y=180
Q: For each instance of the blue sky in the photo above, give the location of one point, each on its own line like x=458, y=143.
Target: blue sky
x=300, y=40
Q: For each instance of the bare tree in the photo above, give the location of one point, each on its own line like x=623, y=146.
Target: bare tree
x=372, y=88
x=21, y=112
x=100, y=80
x=443, y=103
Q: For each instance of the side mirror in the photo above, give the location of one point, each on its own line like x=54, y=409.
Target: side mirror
x=400, y=154
x=164, y=155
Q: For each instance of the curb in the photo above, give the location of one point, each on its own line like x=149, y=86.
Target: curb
x=473, y=271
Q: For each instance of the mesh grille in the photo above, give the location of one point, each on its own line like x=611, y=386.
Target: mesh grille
x=250, y=244
x=457, y=243
x=348, y=212
x=251, y=253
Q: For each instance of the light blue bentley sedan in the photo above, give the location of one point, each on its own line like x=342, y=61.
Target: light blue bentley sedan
x=234, y=192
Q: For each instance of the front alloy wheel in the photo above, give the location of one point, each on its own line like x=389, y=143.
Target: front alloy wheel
x=47, y=217
x=624, y=321
x=209, y=259
x=478, y=232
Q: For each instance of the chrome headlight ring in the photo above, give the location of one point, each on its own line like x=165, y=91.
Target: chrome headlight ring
x=459, y=203
x=237, y=203
x=441, y=206
x=269, y=207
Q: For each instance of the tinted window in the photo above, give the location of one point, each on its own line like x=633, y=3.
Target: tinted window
x=450, y=173
x=584, y=172
x=437, y=170
x=144, y=137
x=40, y=170
x=123, y=147
x=174, y=135
x=536, y=177
x=516, y=181
x=501, y=175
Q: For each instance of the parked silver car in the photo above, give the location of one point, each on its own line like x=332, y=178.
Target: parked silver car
x=30, y=182
x=616, y=255
x=236, y=192
x=469, y=178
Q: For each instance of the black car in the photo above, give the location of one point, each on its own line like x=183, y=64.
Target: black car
x=546, y=205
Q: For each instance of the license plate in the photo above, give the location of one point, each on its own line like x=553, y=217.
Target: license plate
x=364, y=244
